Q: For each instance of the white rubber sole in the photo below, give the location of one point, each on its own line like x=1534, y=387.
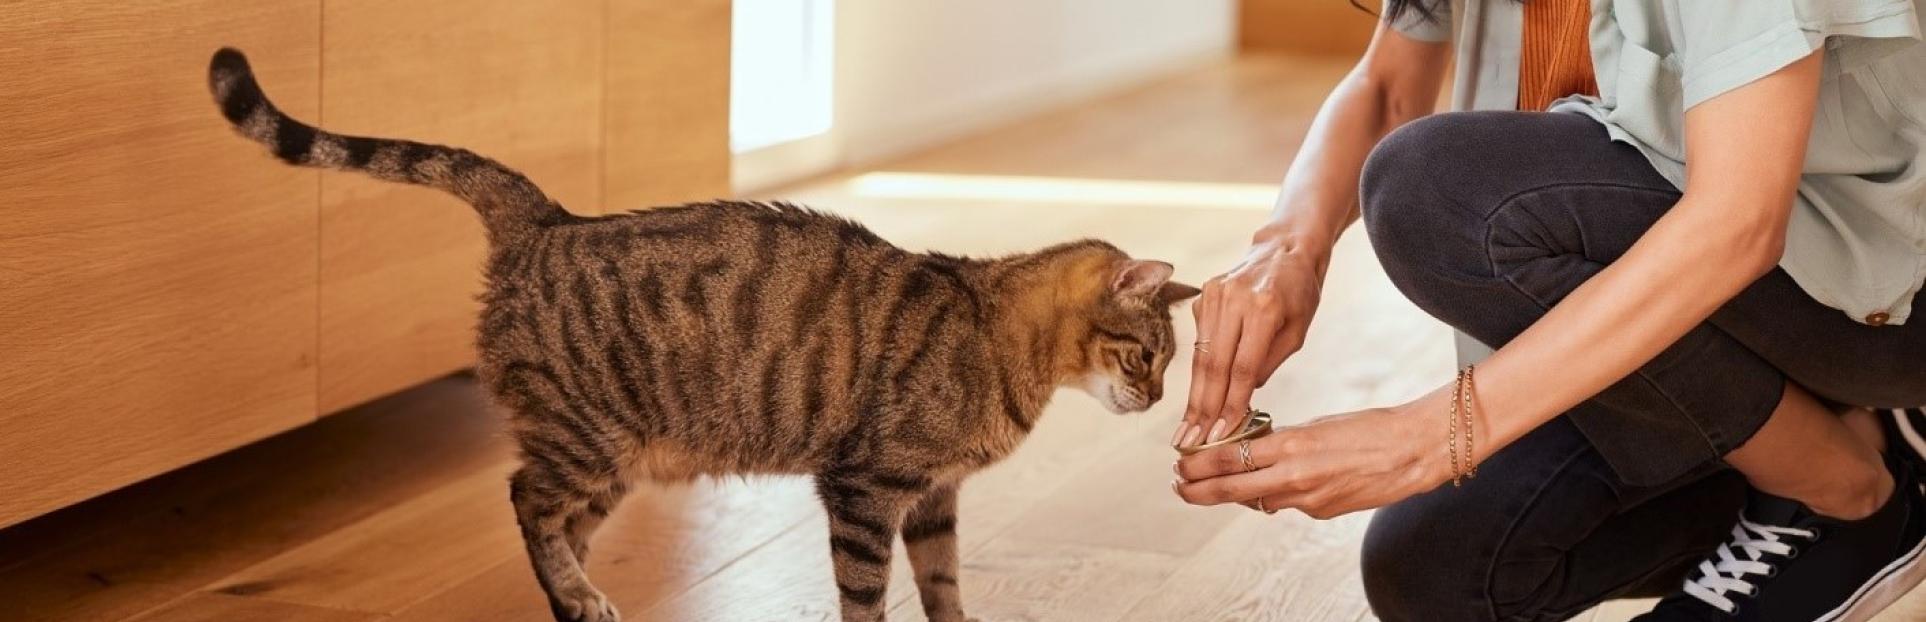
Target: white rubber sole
x=1886, y=588
x=1898, y=577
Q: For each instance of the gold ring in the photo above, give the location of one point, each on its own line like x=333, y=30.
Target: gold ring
x=1244, y=455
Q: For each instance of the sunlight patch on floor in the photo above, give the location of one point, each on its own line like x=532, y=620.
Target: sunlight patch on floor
x=891, y=185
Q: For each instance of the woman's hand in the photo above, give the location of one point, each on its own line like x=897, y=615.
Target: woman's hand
x=1248, y=321
x=1330, y=466
x=1252, y=317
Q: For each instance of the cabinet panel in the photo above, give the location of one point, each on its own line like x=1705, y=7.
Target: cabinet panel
x=157, y=271
x=668, y=102
x=520, y=82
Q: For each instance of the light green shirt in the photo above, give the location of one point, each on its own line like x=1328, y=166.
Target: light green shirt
x=1857, y=237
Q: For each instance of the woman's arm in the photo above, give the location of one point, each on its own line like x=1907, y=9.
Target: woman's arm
x=1396, y=81
x=1745, y=151
x=1255, y=315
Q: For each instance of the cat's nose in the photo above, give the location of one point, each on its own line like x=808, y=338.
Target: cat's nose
x=1156, y=392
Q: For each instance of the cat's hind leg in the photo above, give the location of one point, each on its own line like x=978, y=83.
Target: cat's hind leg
x=581, y=525
x=929, y=532
x=547, y=499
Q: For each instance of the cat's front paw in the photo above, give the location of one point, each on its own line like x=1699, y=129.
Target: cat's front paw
x=585, y=604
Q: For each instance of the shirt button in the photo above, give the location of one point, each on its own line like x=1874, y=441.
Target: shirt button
x=1877, y=319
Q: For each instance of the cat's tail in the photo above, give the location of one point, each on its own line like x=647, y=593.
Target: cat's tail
x=511, y=206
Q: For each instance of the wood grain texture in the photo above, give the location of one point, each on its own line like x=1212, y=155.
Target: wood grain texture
x=1282, y=567
x=128, y=552
x=1254, y=112
x=400, y=266
x=207, y=607
x=392, y=560
x=157, y=296
x=667, y=102
x=1047, y=582
x=664, y=541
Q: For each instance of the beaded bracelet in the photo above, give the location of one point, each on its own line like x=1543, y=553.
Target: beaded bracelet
x=1463, y=466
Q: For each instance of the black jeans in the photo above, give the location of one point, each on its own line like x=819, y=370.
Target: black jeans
x=1487, y=219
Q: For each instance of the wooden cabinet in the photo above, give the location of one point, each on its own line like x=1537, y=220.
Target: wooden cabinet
x=668, y=102
x=168, y=291
x=157, y=299
x=517, y=81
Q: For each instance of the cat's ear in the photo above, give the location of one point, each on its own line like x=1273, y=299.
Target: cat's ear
x=1139, y=279
x=1173, y=292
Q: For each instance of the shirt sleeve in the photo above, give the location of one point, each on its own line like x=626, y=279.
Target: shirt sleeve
x=1725, y=45
x=1414, y=24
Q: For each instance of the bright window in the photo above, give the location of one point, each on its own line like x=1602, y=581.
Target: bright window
x=780, y=71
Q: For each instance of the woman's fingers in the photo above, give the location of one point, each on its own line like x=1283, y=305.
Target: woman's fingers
x=1321, y=506
x=1229, y=459
x=1236, y=488
x=1206, y=311
x=1278, y=491
x=1205, y=411
x=1246, y=372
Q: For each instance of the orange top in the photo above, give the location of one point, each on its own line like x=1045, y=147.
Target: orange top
x=1556, y=57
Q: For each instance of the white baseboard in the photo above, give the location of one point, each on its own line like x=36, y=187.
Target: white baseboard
x=986, y=111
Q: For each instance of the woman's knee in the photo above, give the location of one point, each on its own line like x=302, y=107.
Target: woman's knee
x=1401, y=203
x=1411, y=573
x=1425, y=224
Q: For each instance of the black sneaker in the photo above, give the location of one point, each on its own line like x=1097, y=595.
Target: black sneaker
x=1786, y=563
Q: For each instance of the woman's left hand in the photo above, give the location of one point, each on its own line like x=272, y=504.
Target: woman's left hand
x=1327, y=467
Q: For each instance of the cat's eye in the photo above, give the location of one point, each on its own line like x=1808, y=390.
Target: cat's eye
x=1147, y=355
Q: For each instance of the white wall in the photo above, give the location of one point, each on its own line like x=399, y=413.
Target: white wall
x=912, y=73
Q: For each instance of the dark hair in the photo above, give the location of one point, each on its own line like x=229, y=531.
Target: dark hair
x=1393, y=9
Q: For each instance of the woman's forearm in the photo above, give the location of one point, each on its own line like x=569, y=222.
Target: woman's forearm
x=1396, y=83
x=1688, y=264
x=1746, y=149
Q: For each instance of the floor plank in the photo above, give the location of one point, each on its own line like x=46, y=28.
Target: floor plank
x=395, y=558
x=133, y=550
x=212, y=607
x=1281, y=567
x=786, y=579
x=662, y=541
x=1017, y=581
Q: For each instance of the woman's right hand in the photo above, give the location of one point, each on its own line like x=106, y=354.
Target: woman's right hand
x=1249, y=320
x=1254, y=316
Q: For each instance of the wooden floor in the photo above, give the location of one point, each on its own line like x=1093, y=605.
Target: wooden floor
x=398, y=510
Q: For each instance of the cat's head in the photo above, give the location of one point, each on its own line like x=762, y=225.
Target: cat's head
x=1130, y=339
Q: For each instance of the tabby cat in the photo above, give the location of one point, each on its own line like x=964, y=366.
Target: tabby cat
x=751, y=338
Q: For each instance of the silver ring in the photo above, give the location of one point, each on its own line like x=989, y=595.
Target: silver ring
x=1199, y=346
x=1244, y=455
x=1260, y=506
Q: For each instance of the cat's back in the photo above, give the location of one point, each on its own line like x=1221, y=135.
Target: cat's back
x=707, y=280
x=695, y=251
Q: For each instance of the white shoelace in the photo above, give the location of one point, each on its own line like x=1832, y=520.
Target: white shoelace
x=1743, y=556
